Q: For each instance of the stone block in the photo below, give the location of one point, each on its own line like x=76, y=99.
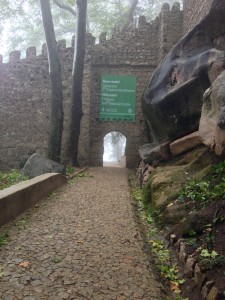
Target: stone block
x=189, y=267
x=206, y=288
x=199, y=277
x=182, y=253
x=214, y=294
x=31, y=52
x=14, y=56
x=151, y=153
x=186, y=143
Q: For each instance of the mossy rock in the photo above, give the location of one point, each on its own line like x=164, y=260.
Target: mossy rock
x=165, y=182
x=173, y=214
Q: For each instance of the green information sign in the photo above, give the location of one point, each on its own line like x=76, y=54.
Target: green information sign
x=118, y=98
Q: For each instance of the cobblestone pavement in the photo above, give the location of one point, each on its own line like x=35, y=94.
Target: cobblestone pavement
x=81, y=243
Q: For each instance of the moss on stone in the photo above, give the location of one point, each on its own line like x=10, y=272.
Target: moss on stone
x=166, y=181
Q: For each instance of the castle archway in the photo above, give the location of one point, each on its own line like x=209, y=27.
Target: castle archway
x=114, y=149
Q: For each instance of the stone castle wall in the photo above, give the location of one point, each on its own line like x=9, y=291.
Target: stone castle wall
x=25, y=103
x=25, y=90
x=194, y=12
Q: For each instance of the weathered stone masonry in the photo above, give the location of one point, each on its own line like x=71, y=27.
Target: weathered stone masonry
x=194, y=12
x=25, y=90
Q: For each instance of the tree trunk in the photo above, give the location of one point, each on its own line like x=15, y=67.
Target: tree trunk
x=133, y=6
x=56, y=122
x=78, y=67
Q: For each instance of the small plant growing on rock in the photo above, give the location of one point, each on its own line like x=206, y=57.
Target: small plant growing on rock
x=209, y=260
x=167, y=270
x=201, y=192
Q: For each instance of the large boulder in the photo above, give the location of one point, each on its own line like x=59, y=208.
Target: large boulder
x=212, y=122
x=173, y=100
x=37, y=165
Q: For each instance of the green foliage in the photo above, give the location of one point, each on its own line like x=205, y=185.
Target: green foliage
x=209, y=260
x=167, y=269
x=70, y=170
x=147, y=192
x=177, y=297
x=219, y=169
x=56, y=260
x=212, y=188
x=192, y=242
x=84, y=174
x=3, y=239
x=137, y=194
x=8, y=179
x=23, y=222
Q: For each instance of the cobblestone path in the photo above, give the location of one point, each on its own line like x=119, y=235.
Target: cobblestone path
x=81, y=243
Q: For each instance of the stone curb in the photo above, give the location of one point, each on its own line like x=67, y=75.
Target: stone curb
x=18, y=198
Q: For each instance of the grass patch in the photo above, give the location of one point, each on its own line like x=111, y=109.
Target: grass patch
x=56, y=260
x=79, y=176
x=70, y=170
x=3, y=239
x=23, y=222
x=10, y=178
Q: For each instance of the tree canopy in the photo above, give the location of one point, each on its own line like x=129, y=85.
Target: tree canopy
x=21, y=24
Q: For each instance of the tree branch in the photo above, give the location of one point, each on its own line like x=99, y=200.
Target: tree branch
x=65, y=7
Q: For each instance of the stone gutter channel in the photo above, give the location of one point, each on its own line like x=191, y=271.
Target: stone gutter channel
x=193, y=271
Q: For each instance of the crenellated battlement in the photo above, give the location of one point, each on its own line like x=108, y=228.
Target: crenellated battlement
x=148, y=32
x=31, y=52
x=171, y=23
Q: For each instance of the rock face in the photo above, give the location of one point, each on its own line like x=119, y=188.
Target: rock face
x=37, y=165
x=173, y=100
x=165, y=181
x=212, y=122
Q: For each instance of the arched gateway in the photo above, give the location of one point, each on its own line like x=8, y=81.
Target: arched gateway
x=116, y=107
x=114, y=150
